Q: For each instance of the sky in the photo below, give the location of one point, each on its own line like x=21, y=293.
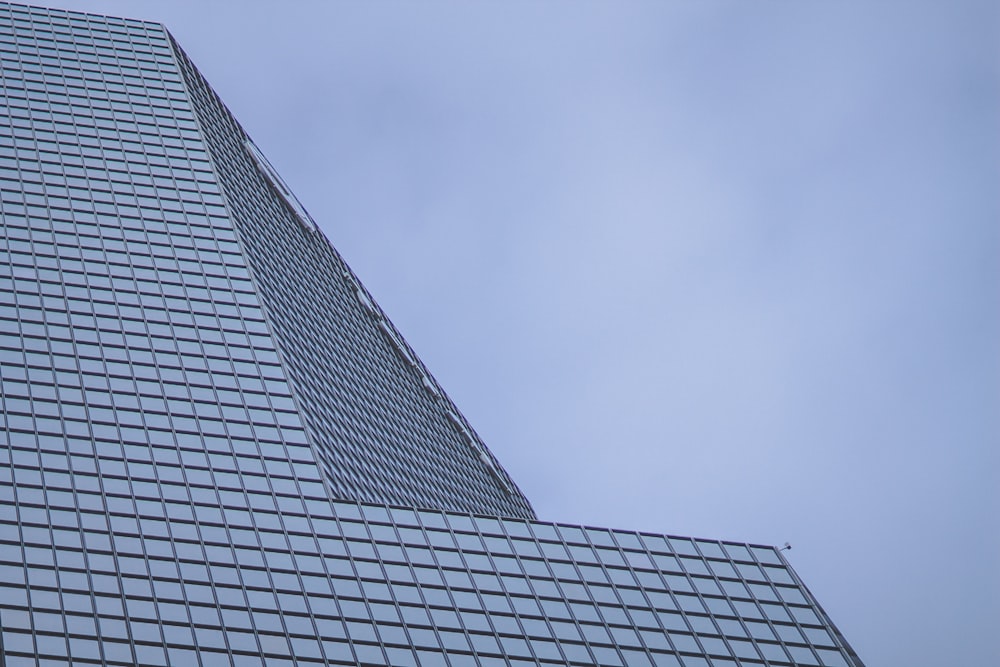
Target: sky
x=721, y=269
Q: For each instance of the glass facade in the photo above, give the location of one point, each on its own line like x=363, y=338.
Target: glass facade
x=216, y=448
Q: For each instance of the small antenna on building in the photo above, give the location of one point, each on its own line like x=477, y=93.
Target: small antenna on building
x=787, y=547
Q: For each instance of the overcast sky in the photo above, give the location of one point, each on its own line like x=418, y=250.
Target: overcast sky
x=723, y=269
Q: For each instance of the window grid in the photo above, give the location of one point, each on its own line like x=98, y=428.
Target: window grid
x=179, y=411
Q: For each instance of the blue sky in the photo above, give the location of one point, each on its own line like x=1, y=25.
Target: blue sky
x=724, y=269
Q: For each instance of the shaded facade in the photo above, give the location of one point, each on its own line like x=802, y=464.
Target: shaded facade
x=217, y=448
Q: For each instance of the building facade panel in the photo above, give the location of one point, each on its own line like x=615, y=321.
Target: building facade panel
x=263, y=578
x=383, y=428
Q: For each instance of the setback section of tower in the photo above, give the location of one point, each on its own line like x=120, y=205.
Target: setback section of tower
x=382, y=427
x=144, y=204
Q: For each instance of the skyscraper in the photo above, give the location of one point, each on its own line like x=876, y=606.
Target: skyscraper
x=218, y=449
